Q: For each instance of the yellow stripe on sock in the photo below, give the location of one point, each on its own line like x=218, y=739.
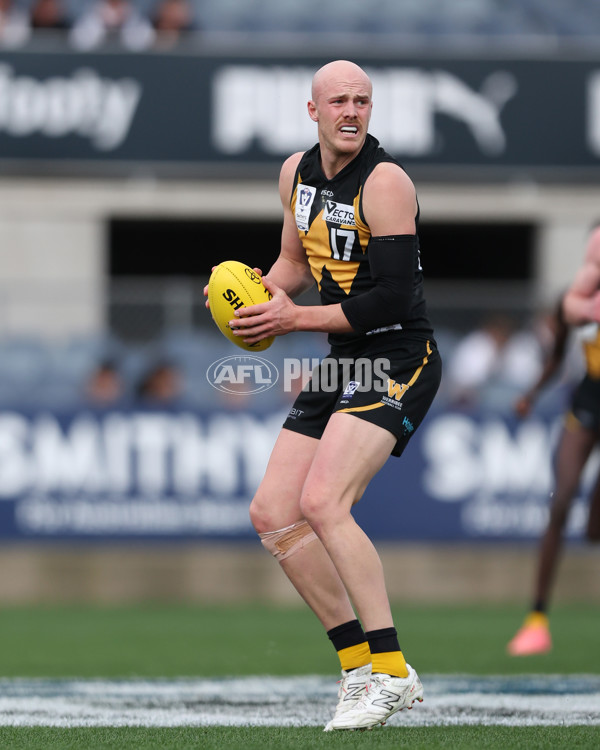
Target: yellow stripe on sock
x=390, y=662
x=355, y=656
x=537, y=620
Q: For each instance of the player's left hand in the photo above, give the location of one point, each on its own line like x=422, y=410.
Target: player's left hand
x=274, y=318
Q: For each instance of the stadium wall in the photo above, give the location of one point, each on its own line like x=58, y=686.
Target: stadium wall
x=209, y=573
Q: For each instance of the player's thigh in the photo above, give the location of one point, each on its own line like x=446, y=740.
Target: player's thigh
x=350, y=452
x=276, y=503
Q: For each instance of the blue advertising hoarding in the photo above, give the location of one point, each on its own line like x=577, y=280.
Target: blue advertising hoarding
x=466, y=476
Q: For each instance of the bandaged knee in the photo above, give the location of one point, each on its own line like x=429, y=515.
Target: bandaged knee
x=287, y=541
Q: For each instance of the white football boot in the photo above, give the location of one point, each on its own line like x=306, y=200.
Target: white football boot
x=383, y=697
x=353, y=686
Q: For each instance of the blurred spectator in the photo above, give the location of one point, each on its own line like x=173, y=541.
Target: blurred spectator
x=105, y=385
x=48, y=15
x=112, y=20
x=14, y=24
x=491, y=362
x=475, y=359
x=171, y=20
x=162, y=384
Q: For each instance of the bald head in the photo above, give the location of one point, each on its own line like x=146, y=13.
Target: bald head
x=339, y=72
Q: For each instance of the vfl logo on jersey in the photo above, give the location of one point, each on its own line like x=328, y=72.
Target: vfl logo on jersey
x=339, y=213
x=304, y=200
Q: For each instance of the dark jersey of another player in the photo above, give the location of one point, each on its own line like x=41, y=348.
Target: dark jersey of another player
x=335, y=235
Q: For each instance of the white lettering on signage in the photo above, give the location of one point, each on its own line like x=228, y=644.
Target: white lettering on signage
x=83, y=104
x=155, y=454
x=266, y=107
x=502, y=478
x=466, y=457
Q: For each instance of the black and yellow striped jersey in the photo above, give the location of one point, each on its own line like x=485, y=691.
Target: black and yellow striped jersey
x=335, y=235
x=590, y=339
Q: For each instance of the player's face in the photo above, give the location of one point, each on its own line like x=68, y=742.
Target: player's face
x=342, y=109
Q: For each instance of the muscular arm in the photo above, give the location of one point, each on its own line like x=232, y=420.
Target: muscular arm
x=582, y=301
x=291, y=271
x=390, y=207
x=389, y=201
x=551, y=364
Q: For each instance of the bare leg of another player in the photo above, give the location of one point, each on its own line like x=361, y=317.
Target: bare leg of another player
x=593, y=524
x=574, y=449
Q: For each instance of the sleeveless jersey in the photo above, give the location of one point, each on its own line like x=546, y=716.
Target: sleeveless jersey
x=590, y=337
x=335, y=235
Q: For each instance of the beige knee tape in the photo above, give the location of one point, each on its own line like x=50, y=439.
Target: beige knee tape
x=285, y=542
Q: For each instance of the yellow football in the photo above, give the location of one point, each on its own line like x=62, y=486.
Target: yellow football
x=233, y=285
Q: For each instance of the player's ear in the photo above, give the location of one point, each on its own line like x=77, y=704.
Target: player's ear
x=312, y=111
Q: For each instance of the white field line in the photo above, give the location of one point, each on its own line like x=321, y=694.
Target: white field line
x=292, y=701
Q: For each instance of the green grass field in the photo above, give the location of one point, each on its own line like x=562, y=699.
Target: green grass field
x=166, y=641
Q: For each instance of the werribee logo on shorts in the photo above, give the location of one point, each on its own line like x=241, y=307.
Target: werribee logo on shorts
x=395, y=391
x=242, y=374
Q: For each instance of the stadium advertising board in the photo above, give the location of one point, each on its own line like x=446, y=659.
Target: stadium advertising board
x=189, y=114
x=187, y=474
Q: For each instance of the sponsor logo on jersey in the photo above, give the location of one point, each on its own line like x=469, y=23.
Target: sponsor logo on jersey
x=304, y=201
x=339, y=213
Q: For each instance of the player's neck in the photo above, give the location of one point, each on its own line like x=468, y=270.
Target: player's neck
x=332, y=164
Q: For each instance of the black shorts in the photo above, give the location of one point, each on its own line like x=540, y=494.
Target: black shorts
x=585, y=404
x=392, y=387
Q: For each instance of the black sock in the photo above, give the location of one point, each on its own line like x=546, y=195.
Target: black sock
x=346, y=635
x=381, y=641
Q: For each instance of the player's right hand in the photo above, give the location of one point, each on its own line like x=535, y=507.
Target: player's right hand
x=207, y=303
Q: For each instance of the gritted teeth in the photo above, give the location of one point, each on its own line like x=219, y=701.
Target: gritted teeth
x=349, y=129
